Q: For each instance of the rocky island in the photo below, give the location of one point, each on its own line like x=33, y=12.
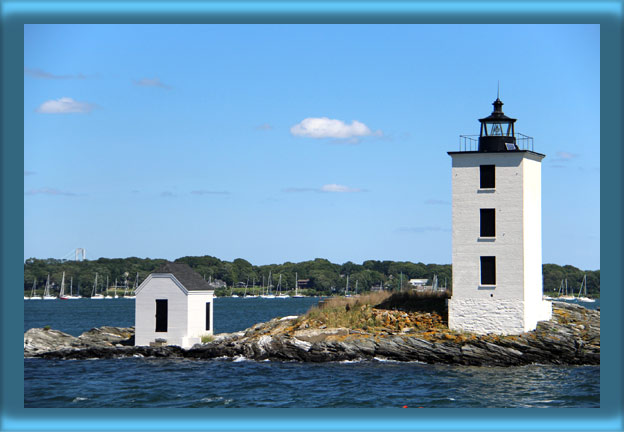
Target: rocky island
x=353, y=329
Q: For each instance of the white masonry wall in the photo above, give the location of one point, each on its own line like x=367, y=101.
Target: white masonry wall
x=536, y=308
x=160, y=287
x=197, y=315
x=507, y=307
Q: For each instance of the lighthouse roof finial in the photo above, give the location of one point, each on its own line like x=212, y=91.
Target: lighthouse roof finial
x=498, y=90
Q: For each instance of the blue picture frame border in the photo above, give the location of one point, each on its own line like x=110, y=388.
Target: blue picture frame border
x=17, y=13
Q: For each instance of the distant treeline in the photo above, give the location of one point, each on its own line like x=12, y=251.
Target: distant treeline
x=324, y=277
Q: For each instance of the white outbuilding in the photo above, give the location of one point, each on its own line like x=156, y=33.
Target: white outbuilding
x=174, y=306
x=497, y=231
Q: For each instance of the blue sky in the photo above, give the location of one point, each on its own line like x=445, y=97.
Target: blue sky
x=291, y=142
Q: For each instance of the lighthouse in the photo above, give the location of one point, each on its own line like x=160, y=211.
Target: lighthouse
x=497, y=231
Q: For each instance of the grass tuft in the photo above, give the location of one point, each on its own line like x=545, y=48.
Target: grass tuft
x=379, y=311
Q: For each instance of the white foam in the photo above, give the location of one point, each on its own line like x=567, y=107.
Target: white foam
x=211, y=399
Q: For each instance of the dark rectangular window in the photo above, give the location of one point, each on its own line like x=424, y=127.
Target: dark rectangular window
x=488, y=223
x=487, y=177
x=207, y=315
x=161, y=315
x=488, y=270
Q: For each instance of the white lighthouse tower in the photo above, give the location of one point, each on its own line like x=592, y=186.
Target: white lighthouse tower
x=497, y=231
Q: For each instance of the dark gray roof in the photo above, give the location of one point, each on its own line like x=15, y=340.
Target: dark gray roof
x=188, y=277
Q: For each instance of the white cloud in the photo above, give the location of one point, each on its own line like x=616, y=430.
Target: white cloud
x=151, y=82
x=38, y=73
x=566, y=155
x=64, y=105
x=323, y=127
x=562, y=159
x=335, y=188
x=209, y=192
x=264, y=126
x=339, y=188
x=48, y=191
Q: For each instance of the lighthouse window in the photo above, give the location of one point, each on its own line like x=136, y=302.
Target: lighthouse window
x=487, y=177
x=496, y=129
x=488, y=223
x=207, y=315
x=488, y=270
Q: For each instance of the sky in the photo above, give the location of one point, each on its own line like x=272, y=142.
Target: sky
x=278, y=143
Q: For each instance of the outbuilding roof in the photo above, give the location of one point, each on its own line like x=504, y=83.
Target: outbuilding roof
x=188, y=277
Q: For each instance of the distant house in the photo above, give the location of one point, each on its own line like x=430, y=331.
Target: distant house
x=217, y=283
x=174, y=306
x=418, y=282
x=303, y=283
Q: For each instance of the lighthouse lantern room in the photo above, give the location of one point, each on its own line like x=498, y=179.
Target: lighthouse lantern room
x=497, y=232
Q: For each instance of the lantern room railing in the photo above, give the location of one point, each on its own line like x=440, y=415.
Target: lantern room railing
x=471, y=142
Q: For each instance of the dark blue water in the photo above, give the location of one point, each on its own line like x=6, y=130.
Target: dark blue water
x=139, y=382
x=230, y=314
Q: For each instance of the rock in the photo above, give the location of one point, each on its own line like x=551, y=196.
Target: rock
x=317, y=335
x=38, y=340
x=107, y=336
x=572, y=337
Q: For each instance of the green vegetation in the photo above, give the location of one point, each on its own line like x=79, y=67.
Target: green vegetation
x=325, y=278
x=207, y=338
x=379, y=312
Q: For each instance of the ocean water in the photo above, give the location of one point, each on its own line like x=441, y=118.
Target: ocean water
x=139, y=382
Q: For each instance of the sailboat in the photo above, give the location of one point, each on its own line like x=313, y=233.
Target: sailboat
x=297, y=295
x=269, y=285
x=279, y=289
x=133, y=292
x=232, y=291
x=32, y=293
x=347, y=288
x=46, y=292
x=71, y=290
x=94, y=294
x=106, y=296
x=563, y=291
x=253, y=289
x=583, y=290
x=62, y=294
